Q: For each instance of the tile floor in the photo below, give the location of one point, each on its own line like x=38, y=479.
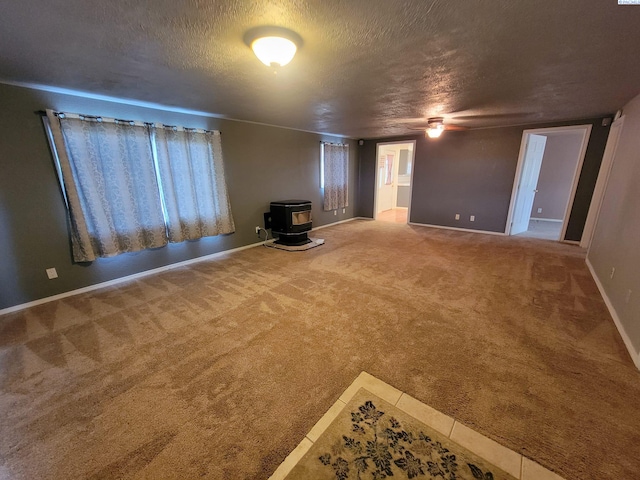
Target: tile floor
x=395, y=215
x=543, y=229
x=511, y=462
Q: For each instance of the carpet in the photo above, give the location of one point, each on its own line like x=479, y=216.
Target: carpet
x=217, y=369
x=371, y=439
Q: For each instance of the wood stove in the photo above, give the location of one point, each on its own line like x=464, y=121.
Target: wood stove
x=291, y=220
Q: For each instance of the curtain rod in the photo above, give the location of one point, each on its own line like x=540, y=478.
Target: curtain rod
x=338, y=144
x=98, y=118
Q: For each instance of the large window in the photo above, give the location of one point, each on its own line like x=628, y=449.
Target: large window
x=334, y=175
x=130, y=185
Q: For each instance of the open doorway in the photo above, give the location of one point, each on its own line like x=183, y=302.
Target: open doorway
x=546, y=179
x=394, y=177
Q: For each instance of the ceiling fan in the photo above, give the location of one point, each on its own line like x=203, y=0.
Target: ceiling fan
x=435, y=127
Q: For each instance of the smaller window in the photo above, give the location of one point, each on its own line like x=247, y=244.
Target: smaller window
x=334, y=174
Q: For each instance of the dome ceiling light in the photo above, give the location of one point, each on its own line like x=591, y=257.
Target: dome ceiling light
x=274, y=46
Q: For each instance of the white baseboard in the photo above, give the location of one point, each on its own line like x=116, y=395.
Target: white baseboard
x=635, y=356
x=153, y=271
x=468, y=230
x=335, y=223
x=545, y=219
x=128, y=278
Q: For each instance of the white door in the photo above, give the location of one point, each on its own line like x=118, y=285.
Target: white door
x=528, y=183
x=394, y=182
x=385, y=181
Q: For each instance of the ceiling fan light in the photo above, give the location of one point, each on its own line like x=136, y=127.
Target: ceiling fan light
x=274, y=51
x=435, y=131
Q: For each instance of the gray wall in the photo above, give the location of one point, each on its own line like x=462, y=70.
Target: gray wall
x=472, y=173
x=556, y=175
x=262, y=164
x=616, y=237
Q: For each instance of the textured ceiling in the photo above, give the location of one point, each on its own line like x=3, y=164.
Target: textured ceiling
x=368, y=68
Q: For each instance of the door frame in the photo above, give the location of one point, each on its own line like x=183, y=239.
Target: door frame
x=375, y=178
x=601, y=183
x=586, y=133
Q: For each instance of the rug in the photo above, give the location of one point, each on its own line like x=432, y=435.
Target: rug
x=371, y=439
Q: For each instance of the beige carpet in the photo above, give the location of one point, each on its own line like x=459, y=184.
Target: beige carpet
x=219, y=370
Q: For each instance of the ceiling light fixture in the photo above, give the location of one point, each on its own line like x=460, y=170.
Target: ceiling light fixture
x=274, y=46
x=435, y=130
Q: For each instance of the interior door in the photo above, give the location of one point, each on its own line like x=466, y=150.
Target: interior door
x=528, y=183
x=385, y=181
x=394, y=183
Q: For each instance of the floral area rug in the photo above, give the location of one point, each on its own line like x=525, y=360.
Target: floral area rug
x=372, y=440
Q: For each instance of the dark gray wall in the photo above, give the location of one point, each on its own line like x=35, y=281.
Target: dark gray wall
x=262, y=164
x=472, y=173
x=587, y=182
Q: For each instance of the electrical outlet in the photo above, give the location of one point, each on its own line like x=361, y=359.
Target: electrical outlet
x=335, y=212
x=457, y=216
x=472, y=218
x=613, y=271
x=344, y=210
x=626, y=300
x=539, y=210
x=51, y=273
x=258, y=230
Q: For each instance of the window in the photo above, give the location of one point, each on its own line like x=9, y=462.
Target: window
x=334, y=175
x=129, y=185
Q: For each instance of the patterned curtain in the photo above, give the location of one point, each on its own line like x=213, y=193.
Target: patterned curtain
x=193, y=184
x=111, y=187
x=336, y=176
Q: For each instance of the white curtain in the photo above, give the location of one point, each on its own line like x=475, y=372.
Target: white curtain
x=110, y=184
x=336, y=176
x=193, y=184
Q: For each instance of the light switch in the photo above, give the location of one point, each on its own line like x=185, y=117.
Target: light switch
x=52, y=273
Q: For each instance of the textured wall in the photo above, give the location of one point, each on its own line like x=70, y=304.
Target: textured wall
x=617, y=233
x=472, y=173
x=262, y=164
x=556, y=175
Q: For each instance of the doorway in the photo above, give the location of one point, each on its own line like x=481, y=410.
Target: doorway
x=545, y=183
x=394, y=178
